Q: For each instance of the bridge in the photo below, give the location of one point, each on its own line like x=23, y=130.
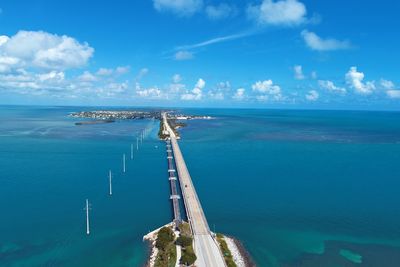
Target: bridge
x=205, y=246
x=174, y=192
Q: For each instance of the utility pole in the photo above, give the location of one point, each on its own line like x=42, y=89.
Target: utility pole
x=110, y=180
x=87, y=217
x=123, y=163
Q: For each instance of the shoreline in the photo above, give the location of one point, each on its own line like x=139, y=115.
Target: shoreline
x=149, y=253
x=244, y=254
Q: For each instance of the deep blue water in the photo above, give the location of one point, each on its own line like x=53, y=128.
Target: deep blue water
x=296, y=187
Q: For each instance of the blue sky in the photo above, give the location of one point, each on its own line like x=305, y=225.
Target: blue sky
x=202, y=53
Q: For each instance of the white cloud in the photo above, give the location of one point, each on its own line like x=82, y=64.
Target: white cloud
x=183, y=55
x=393, y=93
x=23, y=82
x=86, y=76
x=355, y=80
x=143, y=72
x=220, y=11
x=188, y=97
x=219, y=91
x=176, y=78
x=216, y=95
x=176, y=86
x=179, y=7
x=266, y=86
x=239, y=94
x=152, y=92
x=200, y=84
x=44, y=50
x=224, y=85
x=298, y=72
x=267, y=89
x=104, y=72
x=282, y=12
x=312, y=95
x=55, y=84
x=215, y=40
x=53, y=76
x=330, y=86
x=115, y=87
x=4, y=39
x=386, y=84
x=124, y=69
x=196, y=93
x=315, y=42
x=108, y=72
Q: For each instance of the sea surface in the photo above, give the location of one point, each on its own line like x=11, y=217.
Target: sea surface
x=297, y=188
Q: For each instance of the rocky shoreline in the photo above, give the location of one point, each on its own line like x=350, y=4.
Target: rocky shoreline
x=241, y=251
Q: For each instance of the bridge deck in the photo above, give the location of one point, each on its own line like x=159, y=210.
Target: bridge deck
x=206, y=248
x=174, y=191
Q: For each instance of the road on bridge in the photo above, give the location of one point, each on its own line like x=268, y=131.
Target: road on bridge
x=205, y=246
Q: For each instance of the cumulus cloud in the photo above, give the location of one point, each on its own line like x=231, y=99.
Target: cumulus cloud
x=117, y=71
x=220, y=11
x=386, y=84
x=315, y=42
x=196, y=93
x=331, y=87
x=23, y=82
x=355, y=80
x=239, y=94
x=298, y=72
x=52, y=76
x=266, y=86
x=219, y=91
x=267, y=89
x=282, y=12
x=43, y=50
x=55, y=84
x=180, y=7
x=183, y=55
x=152, y=92
x=393, y=93
x=312, y=95
x=86, y=76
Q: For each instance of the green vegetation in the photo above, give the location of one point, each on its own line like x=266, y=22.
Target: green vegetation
x=184, y=228
x=161, y=134
x=225, y=251
x=172, y=256
x=175, y=125
x=188, y=256
x=166, y=248
x=185, y=240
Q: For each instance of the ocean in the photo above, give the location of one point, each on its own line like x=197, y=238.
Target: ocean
x=296, y=187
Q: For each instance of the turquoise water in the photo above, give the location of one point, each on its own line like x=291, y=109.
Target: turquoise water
x=296, y=187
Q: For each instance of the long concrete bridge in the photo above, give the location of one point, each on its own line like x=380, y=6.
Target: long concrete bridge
x=205, y=246
x=172, y=180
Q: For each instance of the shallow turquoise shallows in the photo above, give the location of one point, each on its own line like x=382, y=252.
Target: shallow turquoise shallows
x=298, y=188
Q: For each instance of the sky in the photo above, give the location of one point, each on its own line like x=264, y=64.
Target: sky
x=201, y=53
